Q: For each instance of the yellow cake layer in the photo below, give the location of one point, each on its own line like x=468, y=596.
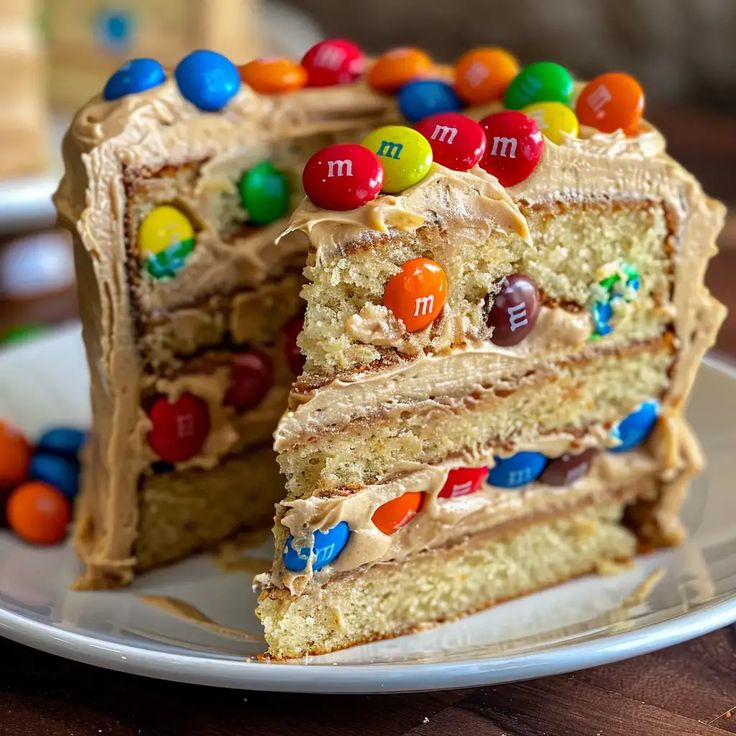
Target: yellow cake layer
x=438, y=585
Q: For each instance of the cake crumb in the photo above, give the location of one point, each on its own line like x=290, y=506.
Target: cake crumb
x=644, y=589
x=425, y=720
x=606, y=567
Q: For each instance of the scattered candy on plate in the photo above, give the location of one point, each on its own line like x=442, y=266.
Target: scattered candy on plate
x=404, y=154
x=398, y=67
x=15, y=456
x=273, y=76
x=513, y=148
x=38, y=513
x=457, y=141
x=423, y=97
x=207, y=79
x=59, y=471
x=610, y=102
x=62, y=440
x=417, y=293
x=343, y=176
x=398, y=512
x=483, y=74
x=326, y=547
x=333, y=61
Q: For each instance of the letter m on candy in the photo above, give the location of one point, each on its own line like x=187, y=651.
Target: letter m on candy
x=389, y=149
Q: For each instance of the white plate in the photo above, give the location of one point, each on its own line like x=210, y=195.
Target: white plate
x=567, y=628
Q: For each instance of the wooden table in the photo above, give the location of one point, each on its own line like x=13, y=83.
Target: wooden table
x=688, y=689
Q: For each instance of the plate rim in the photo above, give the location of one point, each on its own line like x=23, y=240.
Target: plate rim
x=305, y=676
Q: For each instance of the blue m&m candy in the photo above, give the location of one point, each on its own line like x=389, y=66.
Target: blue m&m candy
x=326, y=547
x=517, y=470
x=207, y=79
x=62, y=441
x=423, y=97
x=56, y=470
x=134, y=76
x=633, y=430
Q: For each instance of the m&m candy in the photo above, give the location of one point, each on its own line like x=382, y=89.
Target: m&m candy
x=325, y=548
x=398, y=67
x=457, y=141
x=424, y=97
x=569, y=468
x=207, y=79
x=517, y=470
x=404, y=153
x=333, y=61
x=514, y=146
x=417, y=293
x=251, y=378
x=343, y=176
x=165, y=240
x=554, y=119
x=515, y=310
x=179, y=428
x=264, y=193
x=611, y=101
x=482, y=75
x=294, y=357
x=15, y=456
x=636, y=427
x=62, y=440
x=463, y=481
x=543, y=81
x=137, y=75
x=273, y=76
x=57, y=470
x=398, y=512
x=38, y=513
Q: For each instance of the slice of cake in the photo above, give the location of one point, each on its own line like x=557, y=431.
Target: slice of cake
x=176, y=185
x=498, y=351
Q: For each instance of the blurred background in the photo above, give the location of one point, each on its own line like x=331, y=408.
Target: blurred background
x=54, y=54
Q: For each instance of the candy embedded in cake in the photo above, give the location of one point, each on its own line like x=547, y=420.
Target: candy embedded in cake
x=496, y=359
x=176, y=186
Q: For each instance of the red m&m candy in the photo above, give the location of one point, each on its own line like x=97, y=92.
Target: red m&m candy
x=333, y=61
x=180, y=428
x=294, y=357
x=251, y=378
x=342, y=176
x=611, y=101
x=38, y=513
x=514, y=146
x=417, y=293
x=457, y=141
x=463, y=481
x=398, y=512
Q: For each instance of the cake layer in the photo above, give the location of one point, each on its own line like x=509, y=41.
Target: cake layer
x=185, y=512
x=255, y=317
x=438, y=585
x=579, y=400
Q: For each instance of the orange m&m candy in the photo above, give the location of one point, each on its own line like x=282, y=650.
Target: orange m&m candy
x=417, y=293
x=15, y=455
x=398, y=512
x=611, y=101
x=397, y=67
x=482, y=74
x=38, y=513
x=271, y=76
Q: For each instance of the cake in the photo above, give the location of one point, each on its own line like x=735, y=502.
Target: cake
x=499, y=346
x=22, y=84
x=189, y=312
x=87, y=40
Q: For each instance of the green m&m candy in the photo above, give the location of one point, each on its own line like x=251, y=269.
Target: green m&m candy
x=264, y=193
x=543, y=81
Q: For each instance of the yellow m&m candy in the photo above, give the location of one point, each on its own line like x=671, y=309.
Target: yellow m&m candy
x=404, y=153
x=553, y=119
x=165, y=239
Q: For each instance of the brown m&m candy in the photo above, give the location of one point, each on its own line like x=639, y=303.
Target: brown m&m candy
x=515, y=310
x=565, y=470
